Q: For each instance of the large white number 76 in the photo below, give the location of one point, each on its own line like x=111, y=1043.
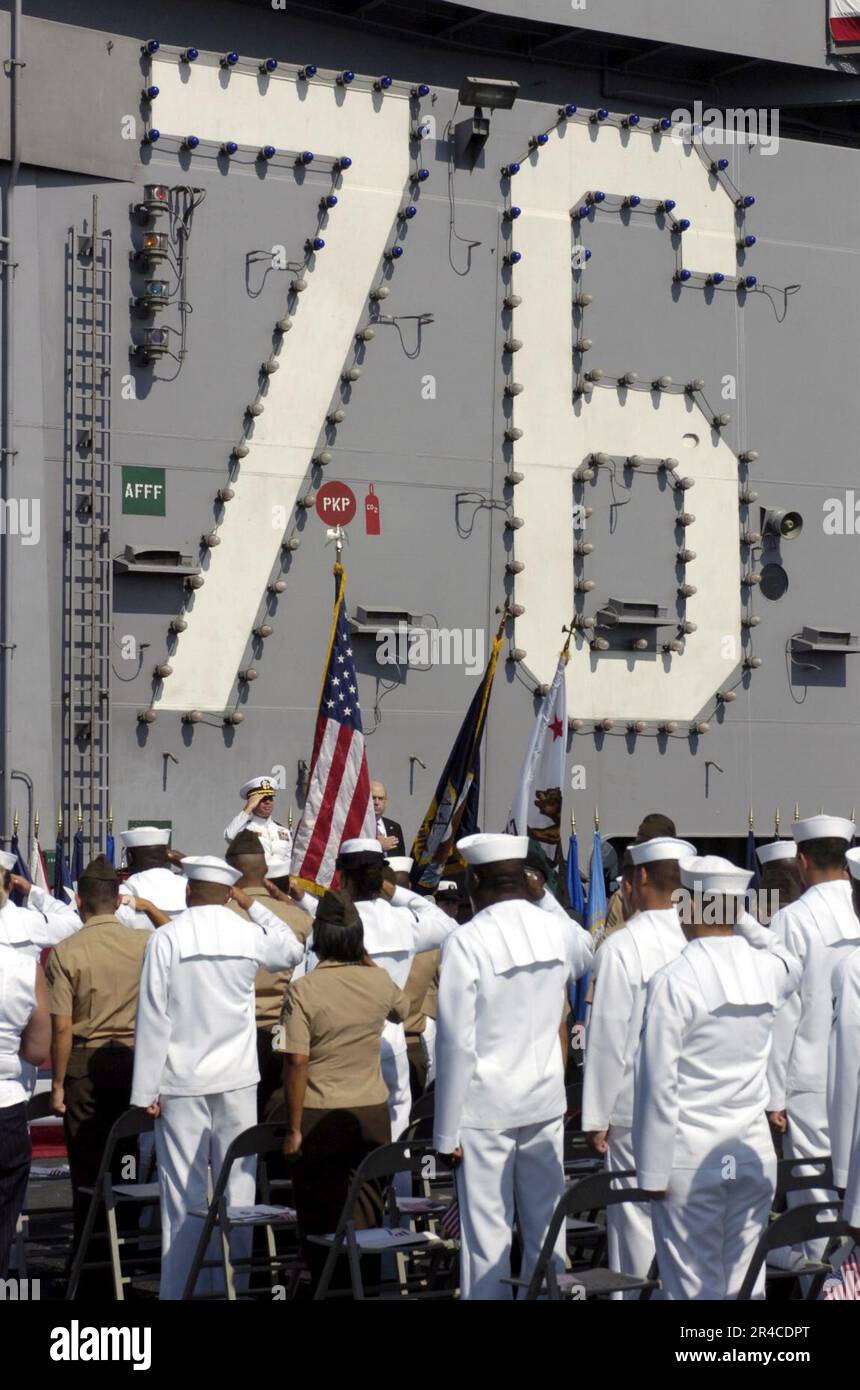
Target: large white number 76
x=330, y=122
x=556, y=438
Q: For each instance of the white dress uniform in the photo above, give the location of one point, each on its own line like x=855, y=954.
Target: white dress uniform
x=820, y=929
x=700, y=1132
x=499, y=1076
x=276, y=839
x=627, y=962
x=162, y=887
x=31, y=929
x=624, y=965
x=394, y=933
x=843, y=1074
x=196, y=1053
x=18, y=1000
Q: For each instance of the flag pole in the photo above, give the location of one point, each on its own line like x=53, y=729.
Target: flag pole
x=776, y=823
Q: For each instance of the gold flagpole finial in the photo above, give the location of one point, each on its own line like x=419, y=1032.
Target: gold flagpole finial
x=776, y=822
x=36, y=825
x=59, y=820
x=110, y=819
x=572, y=822
x=797, y=810
x=597, y=818
x=751, y=818
x=853, y=815
x=289, y=817
x=15, y=823
x=80, y=816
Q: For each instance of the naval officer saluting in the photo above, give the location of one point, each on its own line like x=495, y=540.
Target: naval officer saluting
x=256, y=815
x=195, y=1059
x=500, y=1097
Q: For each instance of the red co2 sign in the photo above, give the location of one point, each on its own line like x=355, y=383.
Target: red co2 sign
x=336, y=504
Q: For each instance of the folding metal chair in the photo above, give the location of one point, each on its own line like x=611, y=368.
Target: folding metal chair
x=258, y=1141
x=587, y=1197
x=382, y=1165
x=423, y=1107
x=580, y=1160
x=38, y=1108
x=110, y=1195
x=790, y=1178
x=813, y=1221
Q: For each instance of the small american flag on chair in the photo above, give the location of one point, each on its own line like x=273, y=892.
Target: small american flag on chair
x=338, y=805
x=450, y=1222
x=844, y=25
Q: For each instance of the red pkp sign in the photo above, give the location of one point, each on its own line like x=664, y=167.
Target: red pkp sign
x=336, y=504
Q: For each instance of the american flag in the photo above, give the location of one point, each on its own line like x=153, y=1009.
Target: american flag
x=338, y=805
x=845, y=25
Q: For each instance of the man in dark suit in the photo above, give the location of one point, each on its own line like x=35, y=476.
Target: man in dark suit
x=388, y=832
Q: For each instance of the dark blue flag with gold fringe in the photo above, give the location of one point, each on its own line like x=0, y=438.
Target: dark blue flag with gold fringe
x=453, y=812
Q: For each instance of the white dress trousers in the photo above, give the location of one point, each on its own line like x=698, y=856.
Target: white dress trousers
x=193, y=1134
x=504, y=1170
x=629, y=1238
x=707, y=1226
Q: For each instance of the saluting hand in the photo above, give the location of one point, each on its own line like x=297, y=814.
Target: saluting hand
x=275, y=892
x=22, y=885
x=240, y=897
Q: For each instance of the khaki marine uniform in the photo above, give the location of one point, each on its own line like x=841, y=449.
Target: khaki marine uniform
x=269, y=997
x=93, y=978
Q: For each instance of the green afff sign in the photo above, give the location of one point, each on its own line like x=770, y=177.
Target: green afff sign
x=143, y=491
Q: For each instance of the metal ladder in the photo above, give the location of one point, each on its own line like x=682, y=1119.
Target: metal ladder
x=88, y=570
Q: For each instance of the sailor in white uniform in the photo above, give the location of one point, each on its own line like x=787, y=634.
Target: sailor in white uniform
x=151, y=878
x=500, y=1097
x=624, y=966
x=820, y=929
x=43, y=922
x=398, y=924
x=195, y=1050
x=780, y=878
x=256, y=814
x=700, y=1132
x=843, y=1076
